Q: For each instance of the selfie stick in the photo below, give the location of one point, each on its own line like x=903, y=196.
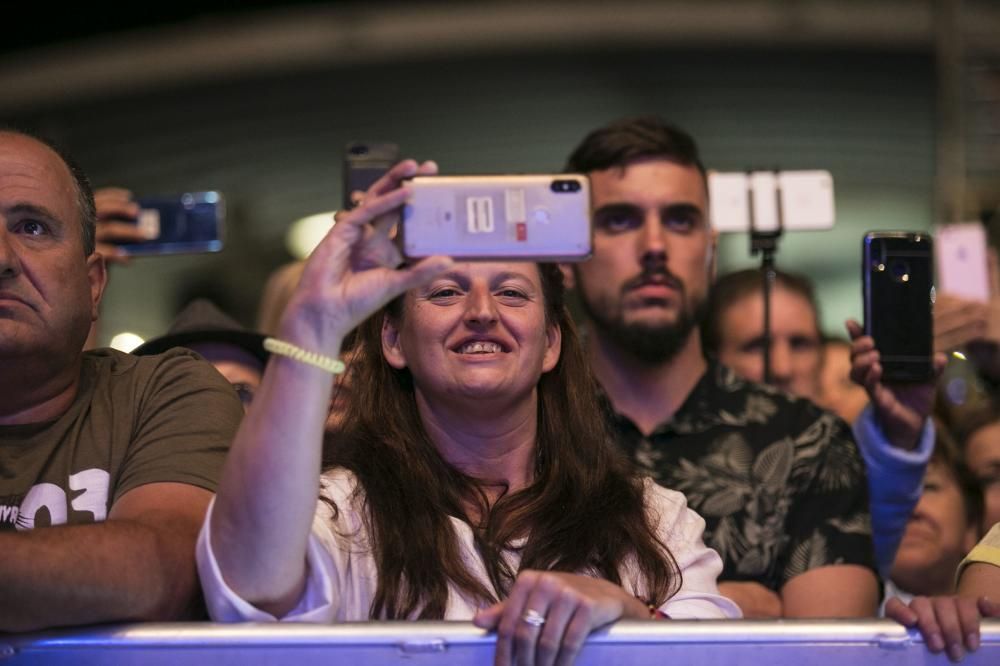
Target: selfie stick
x=766, y=244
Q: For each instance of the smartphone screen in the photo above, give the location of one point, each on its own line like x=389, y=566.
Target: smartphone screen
x=364, y=163
x=897, y=271
x=189, y=223
x=518, y=217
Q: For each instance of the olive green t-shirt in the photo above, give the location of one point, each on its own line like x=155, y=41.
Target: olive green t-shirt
x=135, y=420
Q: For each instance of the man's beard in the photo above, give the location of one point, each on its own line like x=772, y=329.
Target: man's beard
x=654, y=344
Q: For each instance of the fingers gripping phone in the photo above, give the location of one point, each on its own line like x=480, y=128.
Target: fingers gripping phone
x=898, y=289
x=516, y=217
x=364, y=163
x=189, y=223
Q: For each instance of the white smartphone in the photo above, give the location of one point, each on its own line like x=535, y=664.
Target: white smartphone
x=962, y=266
x=518, y=217
x=806, y=200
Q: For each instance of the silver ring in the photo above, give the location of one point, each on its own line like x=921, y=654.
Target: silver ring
x=533, y=617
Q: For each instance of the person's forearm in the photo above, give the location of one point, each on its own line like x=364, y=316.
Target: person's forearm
x=267, y=497
x=118, y=570
x=895, y=481
x=980, y=579
x=839, y=590
x=756, y=601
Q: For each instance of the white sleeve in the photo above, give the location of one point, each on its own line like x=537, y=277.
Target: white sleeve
x=224, y=605
x=681, y=529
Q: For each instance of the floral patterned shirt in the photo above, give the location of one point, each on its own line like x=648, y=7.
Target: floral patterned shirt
x=779, y=481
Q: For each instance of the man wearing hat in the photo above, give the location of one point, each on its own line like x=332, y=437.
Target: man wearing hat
x=238, y=354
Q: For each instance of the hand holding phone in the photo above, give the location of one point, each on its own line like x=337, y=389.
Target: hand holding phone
x=898, y=294
x=116, y=214
x=192, y=222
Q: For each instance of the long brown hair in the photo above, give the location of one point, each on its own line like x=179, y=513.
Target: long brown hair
x=584, y=511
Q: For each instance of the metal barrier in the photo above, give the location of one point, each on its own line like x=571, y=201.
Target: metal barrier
x=705, y=643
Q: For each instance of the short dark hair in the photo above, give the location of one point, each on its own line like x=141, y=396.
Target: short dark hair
x=85, y=205
x=736, y=286
x=630, y=139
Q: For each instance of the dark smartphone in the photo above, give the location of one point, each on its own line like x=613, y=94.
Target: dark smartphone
x=364, y=163
x=188, y=223
x=897, y=280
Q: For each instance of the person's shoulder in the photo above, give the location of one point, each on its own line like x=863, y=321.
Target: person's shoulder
x=339, y=484
x=177, y=374
x=119, y=362
x=669, y=509
x=341, y=498
x=775, y=404
x=667, y=504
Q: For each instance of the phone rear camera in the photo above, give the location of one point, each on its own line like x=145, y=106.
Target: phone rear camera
x=565, y=185
x=900, y=270
x=358, y=149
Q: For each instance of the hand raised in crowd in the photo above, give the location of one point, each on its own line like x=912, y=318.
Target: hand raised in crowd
x=901, y=409
x=947, y=623
x=972, y=325
x=353, y=271
x=114, y=205
x=548, y=616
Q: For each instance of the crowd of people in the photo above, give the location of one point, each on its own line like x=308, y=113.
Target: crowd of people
x=436, y=440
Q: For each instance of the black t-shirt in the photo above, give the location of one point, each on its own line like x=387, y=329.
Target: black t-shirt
x=779, y=481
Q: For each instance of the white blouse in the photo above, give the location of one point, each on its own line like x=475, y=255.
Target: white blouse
x=342, y=573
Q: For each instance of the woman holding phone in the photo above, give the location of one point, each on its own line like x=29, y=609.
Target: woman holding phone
x=472, y=479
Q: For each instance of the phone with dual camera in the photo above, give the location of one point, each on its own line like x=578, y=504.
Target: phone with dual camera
x=898, y=292
x=541, y=217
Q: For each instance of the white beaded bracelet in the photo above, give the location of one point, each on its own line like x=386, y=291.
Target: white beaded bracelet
x=332, y=365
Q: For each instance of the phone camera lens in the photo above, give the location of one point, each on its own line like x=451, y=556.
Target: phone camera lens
x=565, y=185
x=900, y=271
x=359, y=149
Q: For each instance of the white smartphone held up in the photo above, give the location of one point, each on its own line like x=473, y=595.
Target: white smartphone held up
x=516, y=217
x=962, y=266
x=805, y=199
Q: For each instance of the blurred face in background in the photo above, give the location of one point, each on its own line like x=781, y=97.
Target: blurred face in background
x=982, y=455
x=240, y=368
x=796, y=351
x=646, y=284
x=937, y=536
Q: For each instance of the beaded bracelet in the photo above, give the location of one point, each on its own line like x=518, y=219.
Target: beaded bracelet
x=332, y=365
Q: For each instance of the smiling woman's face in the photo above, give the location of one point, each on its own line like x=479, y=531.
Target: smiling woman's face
x=477, y=332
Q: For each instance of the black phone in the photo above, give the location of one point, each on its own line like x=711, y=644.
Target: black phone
x=192, y=222
x=364, y=163
x=897, y=280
